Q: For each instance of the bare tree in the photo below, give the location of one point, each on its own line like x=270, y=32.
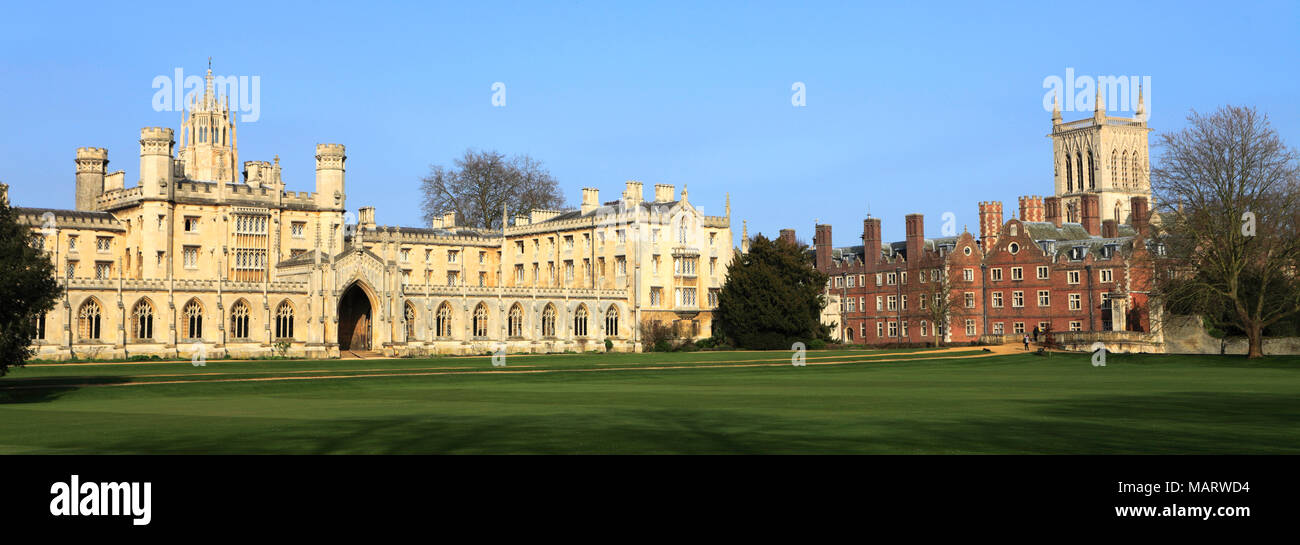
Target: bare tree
x=482, y=183
x=940, y=301
x=1227, y=192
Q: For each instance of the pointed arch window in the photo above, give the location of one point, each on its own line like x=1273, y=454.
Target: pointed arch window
x=408, y=316
x=480, y=320
x=1092, y=172
x=1069, y=174
x=1114, y=168
x=142, y=321
x=284, y=321
x=611, y=322
x=88, y=321
x=1124, y=166
x=1078, y=158
x=193, y=315
x=239, y=320
x=442, y=326
x=580, y=322
x=548, y=321
x=515, y=322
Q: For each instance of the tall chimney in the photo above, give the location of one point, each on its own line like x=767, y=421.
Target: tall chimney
x=1052, y=210
x=665, y=193
x=1139, y=216
x=787, y=236
x=633, y=195
x=915, y=236
x=1091, y=213
x=822, y=243
x=871, y=242
x=1109, y=228
x=590, y=199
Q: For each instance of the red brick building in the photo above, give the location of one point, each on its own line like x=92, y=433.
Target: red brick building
x=1031, y=271
x=1018, y=276
x=1056, y=265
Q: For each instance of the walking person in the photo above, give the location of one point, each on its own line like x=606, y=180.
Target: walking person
x=1035, y=333
x=1026, y=343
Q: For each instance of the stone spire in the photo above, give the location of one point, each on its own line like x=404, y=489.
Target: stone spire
x=1099, y=109
x=209, y=99
x=1140, y=114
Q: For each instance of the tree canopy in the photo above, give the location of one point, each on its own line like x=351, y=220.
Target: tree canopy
x=480, y=184
x=28, y=288
x=771, y=298
x=1229, y=201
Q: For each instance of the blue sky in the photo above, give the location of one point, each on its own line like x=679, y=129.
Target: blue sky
x=928, y=108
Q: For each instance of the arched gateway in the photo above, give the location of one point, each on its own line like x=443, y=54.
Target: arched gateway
x=355, y=332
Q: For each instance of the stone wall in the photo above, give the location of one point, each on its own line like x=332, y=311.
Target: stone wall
x=1186, y=335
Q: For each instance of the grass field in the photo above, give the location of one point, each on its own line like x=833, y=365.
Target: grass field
x=703, y=402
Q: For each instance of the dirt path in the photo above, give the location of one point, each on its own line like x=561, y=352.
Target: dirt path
x=827, y=359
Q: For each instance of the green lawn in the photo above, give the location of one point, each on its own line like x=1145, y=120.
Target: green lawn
x=704, y=402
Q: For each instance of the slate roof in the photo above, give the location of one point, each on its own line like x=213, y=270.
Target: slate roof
x=63, y=213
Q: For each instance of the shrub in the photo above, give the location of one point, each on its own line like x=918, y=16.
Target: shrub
x=657, y=335
x=609, y=345
x=816, y=344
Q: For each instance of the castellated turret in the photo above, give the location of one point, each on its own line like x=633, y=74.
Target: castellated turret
x=329, y=176
x=156, y=161
x=91, y=165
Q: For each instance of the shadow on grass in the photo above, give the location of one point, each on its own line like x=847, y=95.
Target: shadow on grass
x=1176, y=423
x=40, y=390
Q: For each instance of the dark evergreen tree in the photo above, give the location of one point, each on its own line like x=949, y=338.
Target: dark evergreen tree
x=27, y=288
x=772, y=297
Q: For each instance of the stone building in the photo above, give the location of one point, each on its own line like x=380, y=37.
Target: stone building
x=1058, y=266
x=209, y=255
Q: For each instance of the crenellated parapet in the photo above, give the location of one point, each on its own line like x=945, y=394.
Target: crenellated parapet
x=156, y=141
x=92, y=160
x=330, y=156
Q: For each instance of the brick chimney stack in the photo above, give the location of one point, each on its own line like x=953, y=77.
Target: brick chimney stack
x=1052, y=210
x=1090, y=213
x=915, y=236
x=990, y=223
x=787, y=235
x=822, y=244
x=871, y=242
x=1139, y=216
x=1109, y=228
